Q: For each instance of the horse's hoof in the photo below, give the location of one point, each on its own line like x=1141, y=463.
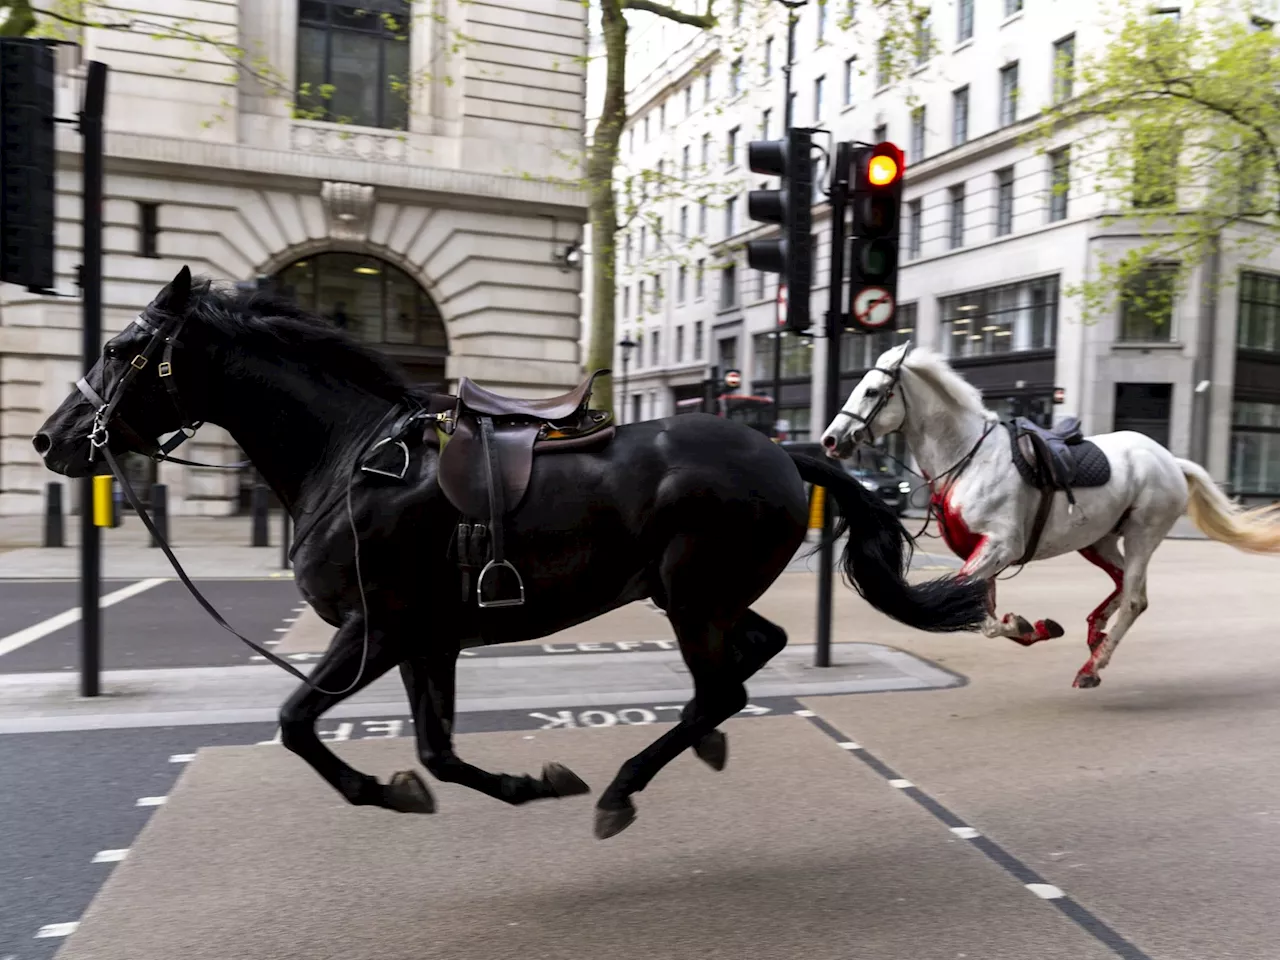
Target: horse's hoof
x=408, y=793
x=610, y=823
x=1049, y=629
x=1087, y=681
x=713, y=750
x=563, y=781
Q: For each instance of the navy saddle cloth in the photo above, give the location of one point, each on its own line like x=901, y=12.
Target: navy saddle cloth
x=1059, y=458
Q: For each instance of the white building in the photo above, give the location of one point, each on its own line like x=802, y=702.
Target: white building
x=424, y=218
x=987, y=246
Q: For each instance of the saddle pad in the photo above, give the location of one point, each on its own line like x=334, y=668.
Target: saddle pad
x=1093, y=469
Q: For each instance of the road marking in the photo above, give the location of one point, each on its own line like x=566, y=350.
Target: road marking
x=805, y=713
x=110, y=856
x=150, y=801
x=901, y=784
x=57, y=930
x=1046, y=891
x=848, y=744
x=182, y=758
x=290, y=619
x=281, y=629
x=16, y=641
x=965, y=833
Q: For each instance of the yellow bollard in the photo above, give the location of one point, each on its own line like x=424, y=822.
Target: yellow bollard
x=103, y=501
x=816, y=503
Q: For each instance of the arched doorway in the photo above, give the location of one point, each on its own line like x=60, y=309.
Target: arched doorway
x=378, y=303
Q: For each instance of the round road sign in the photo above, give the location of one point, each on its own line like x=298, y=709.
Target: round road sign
x=873, y=307
x=732, y=378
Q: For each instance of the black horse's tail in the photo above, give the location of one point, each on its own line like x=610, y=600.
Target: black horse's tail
x=878, y=554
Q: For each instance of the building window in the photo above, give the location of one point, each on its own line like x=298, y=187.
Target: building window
x=797, y=355
x=657, y=292
x=1064, y=68
x=1008, y=94
x=688, y=100
x=644, y=240
x=737, y=13
x=684, y=223
x=699, y=280
x=818, y=86
x=917, y=135
x=1146, y=305
x=662, y=116
x=859, y=353
x=1011, y=7
x=964, y=24
x=768, y=57
x=1004, y=202
x=706, y=86
x=679, y=357
x=957, y=216
x=682, y=283
x=821, y=31
x=697, y=340
x=1006, y=319
x=646, y=128
x=731, y=148
x=847, y=96
x=640, y=304
x=655, y=348
x=684, y=162
x=922, y=41
x=1258, y=326
x=959, y=116
x=1059, y=183
x=759, y=284
x=626, y=303
x=730, y=215
x=353, y=63
x=706, y=152
x=1255, y=448
x=735, y=77
x=148, y=229
x=729, y=286
x=627, y=251
x=766, y=116
x=913, y=229
x=884, y=63
x=728, y=348
x=702, y=218
x=1155, y=171
x=880, y=134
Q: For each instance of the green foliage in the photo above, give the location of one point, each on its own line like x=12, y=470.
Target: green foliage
x=1176, y=124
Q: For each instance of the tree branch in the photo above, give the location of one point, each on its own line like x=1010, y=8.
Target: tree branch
x=704, y=21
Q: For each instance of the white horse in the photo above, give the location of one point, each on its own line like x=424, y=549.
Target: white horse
x=987, y=512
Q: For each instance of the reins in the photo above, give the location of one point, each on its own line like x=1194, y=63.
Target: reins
x=105, y=416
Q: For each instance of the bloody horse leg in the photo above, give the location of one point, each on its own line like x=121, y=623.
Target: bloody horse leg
x=1105, y=554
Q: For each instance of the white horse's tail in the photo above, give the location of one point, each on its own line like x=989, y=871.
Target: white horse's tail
x=1256, y=530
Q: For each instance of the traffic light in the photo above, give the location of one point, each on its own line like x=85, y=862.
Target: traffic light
x=27, y=163
x=791, y=254
x=876, y=198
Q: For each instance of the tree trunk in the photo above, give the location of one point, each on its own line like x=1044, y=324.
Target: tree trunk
x=601, y=161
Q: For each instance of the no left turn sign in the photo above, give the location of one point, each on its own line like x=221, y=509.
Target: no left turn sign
x=873, y=307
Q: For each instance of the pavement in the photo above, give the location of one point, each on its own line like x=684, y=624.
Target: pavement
x=995, y=812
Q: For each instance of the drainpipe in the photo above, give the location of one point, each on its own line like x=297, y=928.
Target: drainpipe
x=1202, y=368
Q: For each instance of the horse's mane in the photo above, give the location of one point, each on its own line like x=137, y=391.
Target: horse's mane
x=280, y=325
x=932, y=367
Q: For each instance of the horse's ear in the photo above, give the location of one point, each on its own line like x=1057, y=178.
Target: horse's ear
x=173, y=298
x=906, y=349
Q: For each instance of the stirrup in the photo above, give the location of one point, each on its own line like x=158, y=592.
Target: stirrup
x=509, y=602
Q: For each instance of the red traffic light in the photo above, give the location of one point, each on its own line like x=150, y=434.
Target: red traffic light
x=885, y=165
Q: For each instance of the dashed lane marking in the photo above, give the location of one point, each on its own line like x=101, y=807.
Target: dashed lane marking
x=110, y=856
x=182, y=758
x=57, y=930
x=150, y=801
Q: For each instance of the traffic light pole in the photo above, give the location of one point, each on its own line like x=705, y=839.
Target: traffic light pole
x=835, y=328
x=792, y=17
x=91, y=130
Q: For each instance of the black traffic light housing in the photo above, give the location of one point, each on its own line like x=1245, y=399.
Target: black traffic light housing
x=791, y=207
x=27, y=162
x=876, y=199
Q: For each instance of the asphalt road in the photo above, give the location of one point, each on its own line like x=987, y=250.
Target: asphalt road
x=160, y=627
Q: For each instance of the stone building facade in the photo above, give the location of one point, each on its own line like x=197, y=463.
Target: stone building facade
x=432, y=217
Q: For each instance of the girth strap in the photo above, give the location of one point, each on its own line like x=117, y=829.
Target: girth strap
x=493, y=472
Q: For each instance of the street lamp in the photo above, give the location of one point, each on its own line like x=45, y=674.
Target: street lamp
x=626, y=345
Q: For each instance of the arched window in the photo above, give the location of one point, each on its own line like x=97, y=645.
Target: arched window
x=353, y=62
x=376, y=302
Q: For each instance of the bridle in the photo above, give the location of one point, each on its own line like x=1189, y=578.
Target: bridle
x=895, y=378
x=106, y=418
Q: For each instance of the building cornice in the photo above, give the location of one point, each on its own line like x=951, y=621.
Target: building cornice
x=229, y=162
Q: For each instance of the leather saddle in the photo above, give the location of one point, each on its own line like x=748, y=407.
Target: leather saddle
x=487, y=454
x=1052, y=459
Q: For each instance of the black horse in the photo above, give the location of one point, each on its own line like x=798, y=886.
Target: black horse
x=696, y=512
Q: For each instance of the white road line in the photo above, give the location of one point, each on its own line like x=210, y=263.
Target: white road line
x=57, y=929
x=110, y=856
x=290, y=619
x=849, y=745
x=281, y=629
x=901, y=784
x=966, y=833
x=182, y=758
x=270, y=643
x=804, y=713
x=150, y=801
x=1046, y=891
x=16, y=641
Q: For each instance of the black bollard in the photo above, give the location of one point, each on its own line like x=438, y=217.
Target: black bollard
x=258, y=504
x=284, y=539
x=54, y=535
x=160, y=511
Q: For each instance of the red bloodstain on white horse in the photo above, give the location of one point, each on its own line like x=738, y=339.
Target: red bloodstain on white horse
x=986, y=510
